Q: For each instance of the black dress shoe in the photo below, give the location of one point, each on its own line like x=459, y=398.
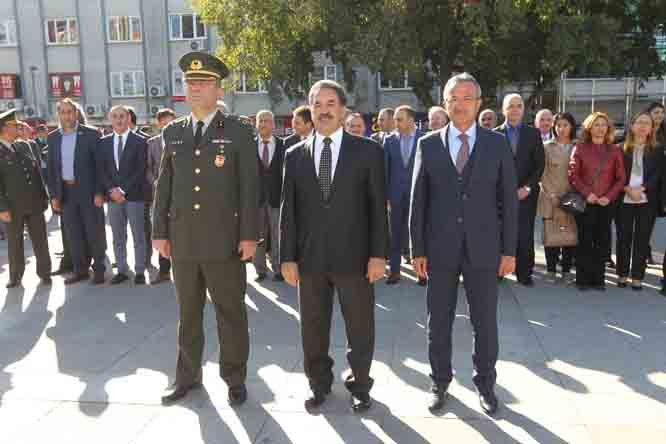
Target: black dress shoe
x=119, y=278
x=622, y=284
x=237, y=395
x=527, y=282
x=61, y=271
x=278, y=277
x=638, y=287
x=161, y=277
x=437, y=400
x=360, y=402
x=98, y=278
x=488, y=402
x=78, y=277
x=422, y=282
x=140, y=279
x=13, y=283
x=393, y=279
x=179, y=392
x=316, y=400
x=260, y=277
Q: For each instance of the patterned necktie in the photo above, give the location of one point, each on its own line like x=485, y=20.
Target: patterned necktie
x=325, y=169
x=199, y=134
x=264, y=155
x=463, y=153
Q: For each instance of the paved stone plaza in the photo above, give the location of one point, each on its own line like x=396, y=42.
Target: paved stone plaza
x=88, y=364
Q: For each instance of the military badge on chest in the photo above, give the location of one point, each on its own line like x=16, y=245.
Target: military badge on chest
x=220, y=156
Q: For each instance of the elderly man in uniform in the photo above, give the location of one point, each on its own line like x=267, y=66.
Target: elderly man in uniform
x=205, y=218
x=23, y=200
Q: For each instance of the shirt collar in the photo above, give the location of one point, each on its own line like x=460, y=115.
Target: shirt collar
x=74, y=131
x=271, y=140
x=206, y=120
x=455, y=132
x=336, y=137
x=7, y=145
x=123, y=135
x=511, y=127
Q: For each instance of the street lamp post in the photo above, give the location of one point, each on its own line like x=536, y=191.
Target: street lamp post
x=33, y=70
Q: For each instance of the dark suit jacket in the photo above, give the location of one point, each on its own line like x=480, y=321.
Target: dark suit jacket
x=131, y=177
x=291, y=140
x=340, y=235
x=652, y=172
x=270, y=179
x=85, y=164
x=398, y=176
x=22, y=189
x=455, y=215
x=530, y=157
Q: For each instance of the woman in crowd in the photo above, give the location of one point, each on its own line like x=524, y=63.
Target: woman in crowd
x=554, y=184
x=639, y=200
x=596, y=171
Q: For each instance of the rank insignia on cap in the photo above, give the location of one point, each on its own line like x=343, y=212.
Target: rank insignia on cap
x=196, y=64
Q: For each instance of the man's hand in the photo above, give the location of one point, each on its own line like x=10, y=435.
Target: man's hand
x=507, y=265
x=163, y=246
x=603, y=201
x=99, y=200
x=55, y=204
x=592, y=198
x=246, y=249
x=376, y=269
x=290, y=273
x=420, y=265
x=523, y=192
x=5, y=216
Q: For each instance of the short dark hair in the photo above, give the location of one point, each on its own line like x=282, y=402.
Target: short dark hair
x=408, y=110
x=132, y=113
x=304, y=113
x=164, y=112
x=328, y=84
x=569, y=118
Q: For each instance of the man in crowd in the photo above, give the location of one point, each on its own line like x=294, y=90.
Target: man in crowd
x=76, y=192
x=488, y=119
x=122, y=175
x=400, y=148
x=333, y=227
x=437, y=118
x=270, y=154
x=461, y=176
x=205, y=219
x=355, y=124
x=23, y=200
x=301, y=121
x=163, y=117
x=386, y=125
x=544, y=123
x=133, y=123
x=40, y=140
x=527, y=147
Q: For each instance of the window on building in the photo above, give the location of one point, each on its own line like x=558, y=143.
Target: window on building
x=7, y=32
x=124, y=29
x=10, y=86
x=128, y=84
x=246, y=84
x=186, y=26
x=178, y=89
x=65, y=84
x=62, y=31
x=394, y=81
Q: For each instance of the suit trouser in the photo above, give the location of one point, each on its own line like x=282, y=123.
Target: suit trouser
x=525, y=252
x=592, y=245
x=357, y=303
x=36, y=225
x=84, y=226
x=633, y=233
x=66, y=260
x=553, y=255
x=147, y=230
x=607, y=241
x=119, y=215
x=226, y=284
x=269, y=226
x=399, y=220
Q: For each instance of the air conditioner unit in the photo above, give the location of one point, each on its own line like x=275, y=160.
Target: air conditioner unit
x=95, y=110
x=30, y=111
x=157, y=91
x=3, y=106
x=11, y=105
x=16, y=104
x=199, y=45
x=154, y=109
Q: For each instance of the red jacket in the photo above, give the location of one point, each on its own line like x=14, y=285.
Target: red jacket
x=584, y=163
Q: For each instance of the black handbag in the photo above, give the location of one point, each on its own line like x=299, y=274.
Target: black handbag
x=573, y=202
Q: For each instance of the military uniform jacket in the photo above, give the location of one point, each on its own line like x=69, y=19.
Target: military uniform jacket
x=206, y=196
x=22, y=189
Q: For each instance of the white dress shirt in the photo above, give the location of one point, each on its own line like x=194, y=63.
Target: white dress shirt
x=206, y=121
x=7, y=145
x=336, y=137
x=455, y=143
x=271, y=148
x=123, y=141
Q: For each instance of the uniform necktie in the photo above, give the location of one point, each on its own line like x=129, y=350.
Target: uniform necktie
x=199, y=134
x=325, y=169
x=119, y=149
x=463, y=153
x=264, y=155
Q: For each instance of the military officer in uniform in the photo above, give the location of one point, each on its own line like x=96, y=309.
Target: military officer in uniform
x=23, y=200
x=205, y=218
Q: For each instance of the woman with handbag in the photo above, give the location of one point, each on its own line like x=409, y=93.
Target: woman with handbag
x=559, y=232
x=596, y=171
x=639, y=200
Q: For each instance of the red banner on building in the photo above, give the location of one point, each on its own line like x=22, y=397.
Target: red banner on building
x=9, y=86
x=65, y=84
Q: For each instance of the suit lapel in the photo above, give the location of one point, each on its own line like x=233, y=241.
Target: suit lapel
x=446, y=149
x=344, y=156
x=308, y=163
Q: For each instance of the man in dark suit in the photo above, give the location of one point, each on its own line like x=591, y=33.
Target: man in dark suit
x=301, y=121
x=270, y=155
x=333, y=228
x=461, y=174
x=134, y=122
x=386, y=125
x=400, y=148
x=75, y=190
x=122, y=172
x=527, y=148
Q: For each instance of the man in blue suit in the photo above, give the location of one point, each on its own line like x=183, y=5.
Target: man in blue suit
x=74, y=190
x=400, y=148
x=462, y=174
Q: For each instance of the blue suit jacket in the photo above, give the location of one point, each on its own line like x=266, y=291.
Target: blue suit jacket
x=85, y=168
x=131, y=177
x=398, y=176
x=453, y=215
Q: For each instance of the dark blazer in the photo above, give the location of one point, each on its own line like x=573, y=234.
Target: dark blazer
x=22, y=189
x=85, y=164
x=291, y=140
x=450, y=211
x=398, y=176
x=652, y=174
x=131, y=177
x=270, y=179
x=340, y=235
x=530, y=157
